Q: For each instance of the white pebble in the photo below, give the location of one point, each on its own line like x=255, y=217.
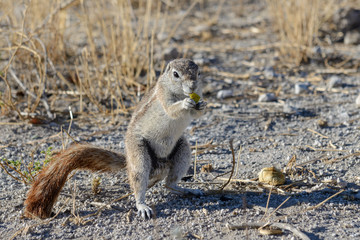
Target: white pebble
x=301, y=87
x=334, y=81
x=357, y=102
x=267, y=97
x=224, y=94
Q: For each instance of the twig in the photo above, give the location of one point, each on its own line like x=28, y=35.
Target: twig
x=109, y=204
x=313, y=131
x=8, y=173
x=267, y=205
x=337, y=71
x=238, y=162
x=277, y=208
x=324, y=149
x=69, y=129
x=307, y=209
x=52, y=14
x=233, y=164
x=195, y=161
x=341, y=158
x=321, y=203
x=253, y=180
x=258, y=225
x=46, y=105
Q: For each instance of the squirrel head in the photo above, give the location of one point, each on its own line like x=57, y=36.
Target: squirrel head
x=184, y=76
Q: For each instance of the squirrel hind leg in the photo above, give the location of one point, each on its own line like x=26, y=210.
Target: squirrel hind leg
x=180, y=162
x=139, y=164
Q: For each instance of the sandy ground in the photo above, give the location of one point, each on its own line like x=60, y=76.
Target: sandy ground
x=327, y=156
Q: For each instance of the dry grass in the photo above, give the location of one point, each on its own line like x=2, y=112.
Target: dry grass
x=51, y=50
x=297, y=24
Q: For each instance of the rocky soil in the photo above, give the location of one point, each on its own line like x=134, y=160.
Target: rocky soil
x=302, y=120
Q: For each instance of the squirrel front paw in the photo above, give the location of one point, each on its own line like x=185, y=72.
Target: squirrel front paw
x=189, y=103
x=201, y=105
x=144, y=211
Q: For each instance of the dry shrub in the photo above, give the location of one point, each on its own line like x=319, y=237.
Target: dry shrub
x=297, y=24
x=93, y=53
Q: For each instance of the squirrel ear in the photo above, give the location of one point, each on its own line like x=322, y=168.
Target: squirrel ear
x=167, y=68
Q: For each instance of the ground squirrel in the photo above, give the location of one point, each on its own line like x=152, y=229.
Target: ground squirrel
x=155, y=146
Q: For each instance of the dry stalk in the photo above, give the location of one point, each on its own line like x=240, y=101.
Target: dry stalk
x=257, y=225
x=342, y=158
x=233, y=165
x=267, y=205
x=317, y=133
x=196, y=145
x=297, y=24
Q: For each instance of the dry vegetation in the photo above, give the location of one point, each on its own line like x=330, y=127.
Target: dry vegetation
x=52, y=50
x=297, y=24
x=55, y=48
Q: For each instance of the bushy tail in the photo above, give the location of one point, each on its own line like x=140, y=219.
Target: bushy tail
x=48, y=184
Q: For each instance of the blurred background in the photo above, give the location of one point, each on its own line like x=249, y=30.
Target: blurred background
x=100, y=57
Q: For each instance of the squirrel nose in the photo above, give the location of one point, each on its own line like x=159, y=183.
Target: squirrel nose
x=192, y=86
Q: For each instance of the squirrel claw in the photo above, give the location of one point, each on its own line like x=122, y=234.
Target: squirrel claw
x=189, y=103
x=201, y=105
x=144, y=211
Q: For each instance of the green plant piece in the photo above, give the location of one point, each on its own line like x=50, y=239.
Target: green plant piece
x=25, y=172
x=194, y=97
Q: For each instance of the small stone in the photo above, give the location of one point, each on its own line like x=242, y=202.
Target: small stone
x=228, y=81
x=269, y=73
x=334, y=81
x=198, y=29
x=317, y=143
x=357, y=102
x=200, y=59
x=341, y=183
x=302, y=87
x=267, y=97
x=162, y=36
x=222, y=94
x=343, y=117
x=207, y=168
x=272, y=176
x=289, y=109
x=352, y=37
x=322, y=123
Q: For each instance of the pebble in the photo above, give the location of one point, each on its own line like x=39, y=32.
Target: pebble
x=162, y=36
x=302, y=87
x=222, y=94
x=343, y=117
x=352, y=37
x=334, y=81
x=267, y=97
x=200, y=59
x=357, y=101
x=341, y=183
x=289, y=109
x=269, y=73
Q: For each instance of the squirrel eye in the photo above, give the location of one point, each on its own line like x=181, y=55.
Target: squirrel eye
x=176, y=74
